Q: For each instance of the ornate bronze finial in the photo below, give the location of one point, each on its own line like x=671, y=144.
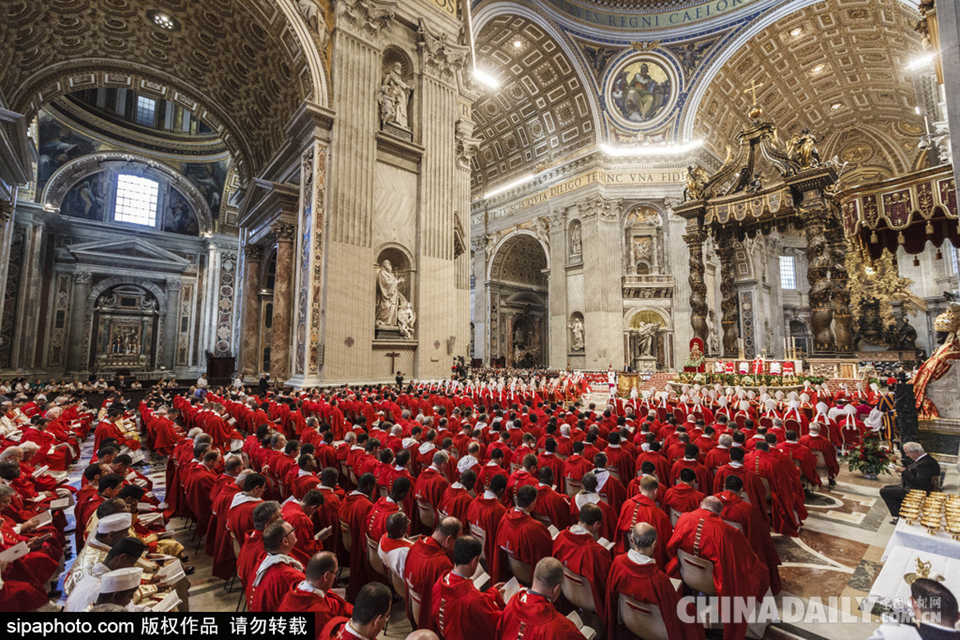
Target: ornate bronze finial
x=755, y=109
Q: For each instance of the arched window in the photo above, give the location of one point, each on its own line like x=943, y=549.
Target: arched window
x=136, y=200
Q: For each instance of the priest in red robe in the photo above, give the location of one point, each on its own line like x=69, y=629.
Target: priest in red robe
x=486, y=513
x=530, y=614
x=520, y=536
x=459, y=610
x=251, y=549
x=552, y=507
x=300, y=514
x=432, y=481
x=635, y=574
x=277, y=572
x=376, y=524
x=704, y=479
x=787, y=508
x=457, y=497
x=737, y=573
x=682, y=497
x=753, y=526
x=580, y=553
x=752, y=486
x=354, y=511
x=814, y=441
x=643, y=508
x=426, y=562
x=314, y=593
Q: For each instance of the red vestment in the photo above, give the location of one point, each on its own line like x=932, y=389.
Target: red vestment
x=552, y=506
x=784, y=479
x=273, y=586
x=250, y=554
x=426, y=562
x=324, y=608
x=455, y=502
x=737, y=573
x=751, y=486
x=583, y=555
x=646, y=583
x=461, y=612
x=292, y=513
x=704, y=479
x=827, y=448
x=642, y=509
x=486, y=513
x=756, y=530
x=682, y=498
x=524, y=538
x=354, y=511
x=533, y=617
x=376, y=524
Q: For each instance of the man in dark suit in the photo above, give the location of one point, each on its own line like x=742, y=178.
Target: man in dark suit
x=935, y=615
x=919, y=474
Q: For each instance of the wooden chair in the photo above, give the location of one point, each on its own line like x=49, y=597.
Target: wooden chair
x=791, y=424
x=766, y=423
x=735, y=525
x=674, y=516
x=768, y=496
x=643, y=620
x=661, y=414
x=414, y=599
x=398, y=585
x=573, y=487
x=741, y=421
x=480, y=535
x=347, y=536
x=616, y=474
x=697, y=573
x=428, y=517
x=374, y=557
x=679, y=415
x=522, y=571
x=576, y=589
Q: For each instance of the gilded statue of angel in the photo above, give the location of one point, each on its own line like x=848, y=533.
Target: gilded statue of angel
x=696, y=181
x=802, y=149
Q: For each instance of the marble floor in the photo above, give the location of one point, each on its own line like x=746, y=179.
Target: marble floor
x=837, y=554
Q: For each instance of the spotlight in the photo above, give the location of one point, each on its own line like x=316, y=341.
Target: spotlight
x=797, y=31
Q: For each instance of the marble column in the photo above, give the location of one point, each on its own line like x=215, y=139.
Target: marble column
x=730, y=320
x=695, y=237
x=78, y=358
x=282, y=302
x=250, y=304
x=29, y=297
x=171, y=324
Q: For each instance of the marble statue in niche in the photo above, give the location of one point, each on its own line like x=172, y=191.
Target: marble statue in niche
x=394, y=97
x=388, y=295
x=645, y=335
x=576, y=240
x=576, y=328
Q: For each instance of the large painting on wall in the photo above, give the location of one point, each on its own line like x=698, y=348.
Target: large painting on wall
x=179, y=216
x=86, y=198
x=59, y=144
x=642, y=90
x=210, y=178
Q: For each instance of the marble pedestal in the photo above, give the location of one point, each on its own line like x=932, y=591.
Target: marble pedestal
x=646, y=364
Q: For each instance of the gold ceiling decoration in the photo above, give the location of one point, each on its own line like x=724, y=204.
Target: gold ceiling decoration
x=541, y=111
x=238, y=63
x=849, y=53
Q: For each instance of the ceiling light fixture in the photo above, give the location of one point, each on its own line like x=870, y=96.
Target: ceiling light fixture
x=662, y=149
x=517, y=44
x=836, y=105
x=922, y=61
x=513, y=185
x=797, y=31
x=916, y=109
x=163, y=20
x=486, y=78
x=819, y=68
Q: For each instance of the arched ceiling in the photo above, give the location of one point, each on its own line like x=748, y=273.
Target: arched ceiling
x=241, y=63
x=843, y=74
x=520, y=260
x=541, y=111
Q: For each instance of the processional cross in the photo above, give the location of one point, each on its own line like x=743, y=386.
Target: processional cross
x=753, y=89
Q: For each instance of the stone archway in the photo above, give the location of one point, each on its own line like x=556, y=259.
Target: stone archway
x=518, y=306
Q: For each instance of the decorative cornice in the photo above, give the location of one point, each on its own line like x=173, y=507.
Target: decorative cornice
x=252, y=253
x=599, y=208
x=441, y=58
x=365, y=19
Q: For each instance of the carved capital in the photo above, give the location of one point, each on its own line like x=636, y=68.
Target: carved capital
x=284, y=232
x=558, y=219
x=599, y=208
x=174, y=285
x=306, y=170
x=365, y=19
x=252, y=253
x=467, y=145
x=82, y=277
x=441, y=58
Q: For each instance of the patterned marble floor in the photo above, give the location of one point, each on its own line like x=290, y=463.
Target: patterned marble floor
x=837, y=554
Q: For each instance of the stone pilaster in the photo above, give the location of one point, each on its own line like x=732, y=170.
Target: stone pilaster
x=441, y=62
x=730, y=319
x=78, y=358
x=28, y=303
x=603, y=297
x=250, y=305
x=559, y=314
x=171, y=323
x=282, y=302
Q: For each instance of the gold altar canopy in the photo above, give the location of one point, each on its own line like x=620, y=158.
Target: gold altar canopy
x=734, y=203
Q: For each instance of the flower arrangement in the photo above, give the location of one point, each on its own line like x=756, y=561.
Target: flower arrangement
x=869, y=457
x=733, y=379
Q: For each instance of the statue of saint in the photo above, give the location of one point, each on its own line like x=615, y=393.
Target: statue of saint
x=388, y=295
x=576, y=240
x=645, y=334
x=406, y=318
x=394, y=97
x=802, y=150
x=577, y=328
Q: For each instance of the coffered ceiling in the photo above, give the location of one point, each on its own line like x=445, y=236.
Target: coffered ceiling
x=238, y=64
x=838, y=67
x=541, y=111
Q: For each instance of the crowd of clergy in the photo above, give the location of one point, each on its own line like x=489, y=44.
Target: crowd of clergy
x=483, y=512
